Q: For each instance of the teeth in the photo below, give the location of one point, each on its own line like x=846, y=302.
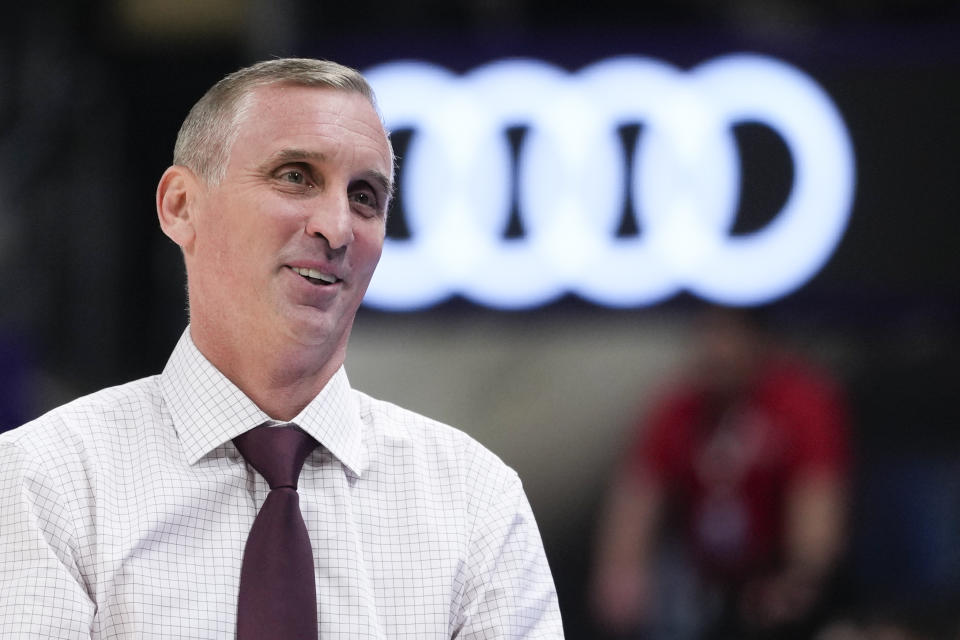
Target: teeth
x=316, y=275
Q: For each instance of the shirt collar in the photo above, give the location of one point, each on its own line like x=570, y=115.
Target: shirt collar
x=208, y=410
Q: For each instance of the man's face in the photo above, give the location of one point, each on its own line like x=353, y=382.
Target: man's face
x=289, y=239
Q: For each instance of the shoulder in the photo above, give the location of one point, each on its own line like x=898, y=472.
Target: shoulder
x=95, y=421
x=793, y=381
x=440, y=451
x=674, y=407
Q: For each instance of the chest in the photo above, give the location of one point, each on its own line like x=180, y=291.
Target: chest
x=168, y=550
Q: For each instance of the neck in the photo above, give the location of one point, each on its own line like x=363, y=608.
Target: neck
x=279, y=376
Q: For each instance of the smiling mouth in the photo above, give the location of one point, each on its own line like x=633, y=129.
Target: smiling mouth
x=316, y=277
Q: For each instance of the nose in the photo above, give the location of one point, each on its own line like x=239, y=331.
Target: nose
x=331, y=219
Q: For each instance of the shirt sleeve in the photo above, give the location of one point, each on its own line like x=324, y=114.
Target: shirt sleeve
x=510, y=591
x=41, y=588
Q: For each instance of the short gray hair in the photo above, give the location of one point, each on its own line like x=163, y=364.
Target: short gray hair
x=209, y=130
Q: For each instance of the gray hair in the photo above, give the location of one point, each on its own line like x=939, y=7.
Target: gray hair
x=207, y=134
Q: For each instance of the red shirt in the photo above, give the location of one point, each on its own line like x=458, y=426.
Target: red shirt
x=727, y=469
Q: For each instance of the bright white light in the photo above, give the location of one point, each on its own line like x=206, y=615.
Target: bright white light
x=685, y=182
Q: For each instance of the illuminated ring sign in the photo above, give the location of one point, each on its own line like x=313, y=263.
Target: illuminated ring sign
x=571, y=179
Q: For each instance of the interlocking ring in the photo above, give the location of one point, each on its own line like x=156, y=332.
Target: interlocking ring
x=684, y=182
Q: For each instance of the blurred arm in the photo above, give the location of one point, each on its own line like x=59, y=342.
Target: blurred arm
x=620, y=589
x=816, y=523
x=814, y=540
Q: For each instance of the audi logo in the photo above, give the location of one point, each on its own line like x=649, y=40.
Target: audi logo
x=684, y=182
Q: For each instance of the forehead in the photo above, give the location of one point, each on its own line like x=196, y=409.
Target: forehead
x=329, y=121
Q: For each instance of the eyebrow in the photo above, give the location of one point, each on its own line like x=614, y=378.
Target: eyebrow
x=301, y=155
x=293, y=155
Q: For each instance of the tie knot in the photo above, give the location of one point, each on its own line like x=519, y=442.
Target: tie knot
x=277, y=453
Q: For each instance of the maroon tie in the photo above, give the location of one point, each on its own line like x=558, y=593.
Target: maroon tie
x=278, y=598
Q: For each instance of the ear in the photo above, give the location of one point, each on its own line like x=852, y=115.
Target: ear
x=178, y=196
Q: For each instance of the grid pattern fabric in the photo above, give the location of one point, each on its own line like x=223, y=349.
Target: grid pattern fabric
x=124, y=514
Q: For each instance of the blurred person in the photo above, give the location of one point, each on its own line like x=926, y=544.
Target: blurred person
x=746, y=455
x=247, y=489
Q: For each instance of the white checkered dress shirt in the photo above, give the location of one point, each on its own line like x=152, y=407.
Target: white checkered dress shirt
x=124, y=514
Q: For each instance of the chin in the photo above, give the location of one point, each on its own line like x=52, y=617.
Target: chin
x=317, y=332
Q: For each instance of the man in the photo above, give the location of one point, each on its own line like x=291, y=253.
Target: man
x=748, y=451
x=125, y=514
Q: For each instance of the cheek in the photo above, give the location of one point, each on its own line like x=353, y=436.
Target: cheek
x=368, y=232
x=369, y=245
x=251, y=229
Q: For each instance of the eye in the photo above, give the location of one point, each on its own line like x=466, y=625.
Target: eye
x=365, y=197
x=293, y=176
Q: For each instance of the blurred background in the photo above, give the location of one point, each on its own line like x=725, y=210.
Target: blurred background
x=92, y=94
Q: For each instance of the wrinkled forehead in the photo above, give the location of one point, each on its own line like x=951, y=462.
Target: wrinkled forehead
x=286, y=105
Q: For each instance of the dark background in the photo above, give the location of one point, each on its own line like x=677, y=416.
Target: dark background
x=92, y=94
